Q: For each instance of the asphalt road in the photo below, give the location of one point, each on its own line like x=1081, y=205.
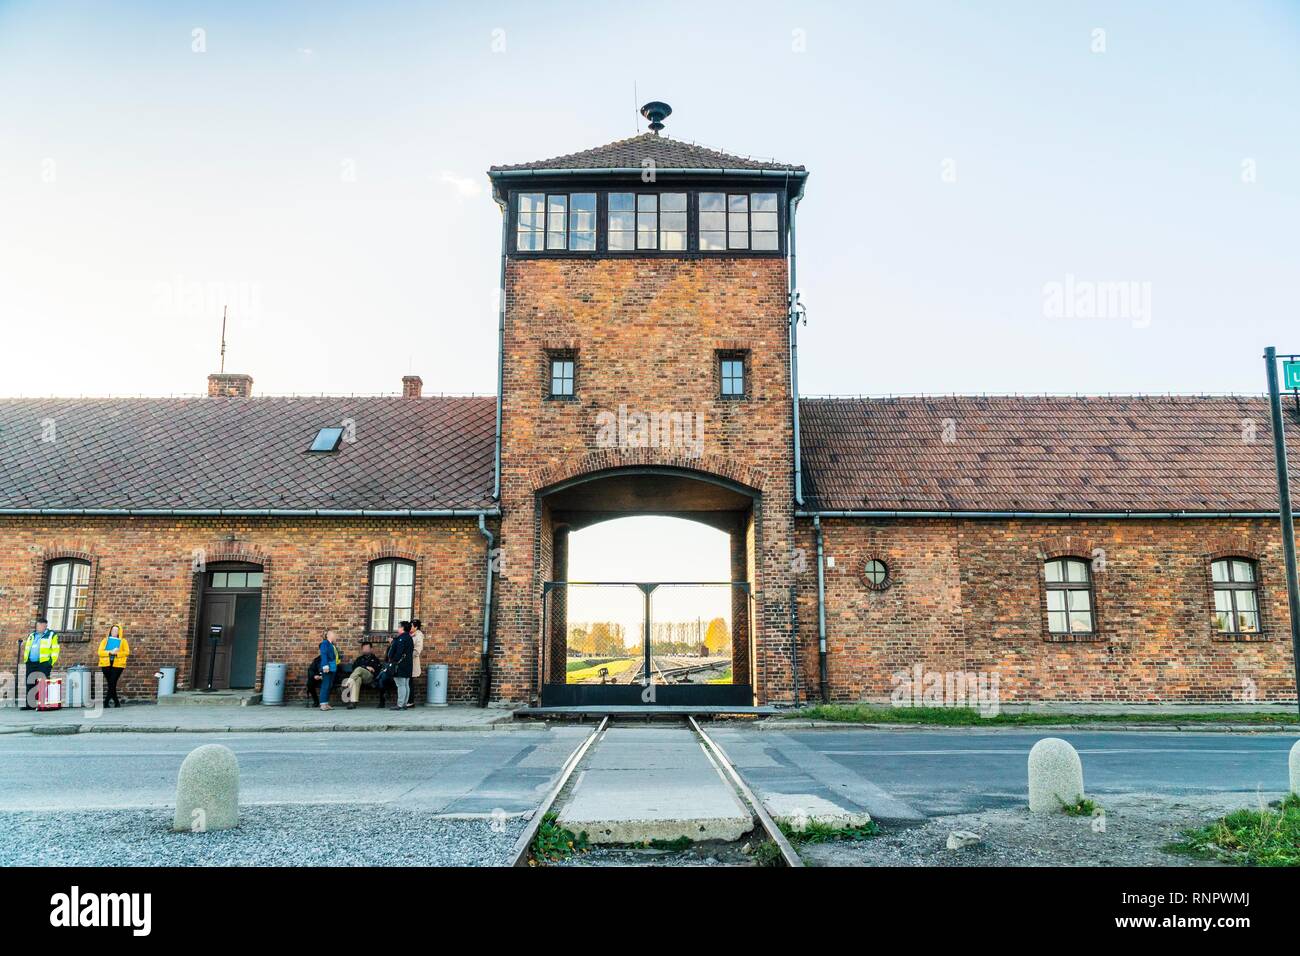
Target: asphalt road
x=473, y=774
x=940, y=772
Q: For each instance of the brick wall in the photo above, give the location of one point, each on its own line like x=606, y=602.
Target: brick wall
x=316, y=577
x=646, y=333
x=968, y=596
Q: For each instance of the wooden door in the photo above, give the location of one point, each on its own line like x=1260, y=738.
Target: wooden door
x=218, y=611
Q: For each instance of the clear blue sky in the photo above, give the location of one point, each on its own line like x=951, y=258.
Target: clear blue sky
x=321, y=166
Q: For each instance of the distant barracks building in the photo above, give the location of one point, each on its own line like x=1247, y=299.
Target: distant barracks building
x=1081, y=549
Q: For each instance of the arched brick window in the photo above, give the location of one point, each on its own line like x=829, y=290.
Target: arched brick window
x=392, y=594
x=1070, y=608
x=67, y=594
x=1236, y=596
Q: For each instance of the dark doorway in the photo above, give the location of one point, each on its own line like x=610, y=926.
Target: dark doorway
x=225, y=648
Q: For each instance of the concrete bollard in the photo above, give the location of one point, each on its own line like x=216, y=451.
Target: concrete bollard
x=1055, y=775
x=207, y=790
x=1294, y=762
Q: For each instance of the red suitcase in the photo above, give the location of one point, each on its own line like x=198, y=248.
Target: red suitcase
x=49, y=694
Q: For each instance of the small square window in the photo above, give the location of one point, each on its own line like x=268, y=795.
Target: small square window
x=562, y=373
x=732, y=369
x=327, y=439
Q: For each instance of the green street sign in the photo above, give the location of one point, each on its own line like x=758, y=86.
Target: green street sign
x=1291, y=374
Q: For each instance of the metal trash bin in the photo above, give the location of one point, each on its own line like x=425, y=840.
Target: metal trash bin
x=166, y=681
x=78, y=686
x=273, y=684
x=436, y=695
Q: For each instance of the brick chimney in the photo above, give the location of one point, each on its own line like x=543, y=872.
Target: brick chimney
x=229, y=385
x=412, y=386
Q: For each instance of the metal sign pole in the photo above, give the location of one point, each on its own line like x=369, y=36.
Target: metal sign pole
x=1284, y=506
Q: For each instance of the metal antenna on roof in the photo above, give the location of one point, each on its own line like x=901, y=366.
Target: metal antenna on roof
x=223, y=338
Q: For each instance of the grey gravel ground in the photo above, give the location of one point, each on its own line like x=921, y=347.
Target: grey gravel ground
x=268, y=835
x=1136, y=829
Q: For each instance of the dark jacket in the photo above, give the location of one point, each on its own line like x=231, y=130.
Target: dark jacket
x=369, y=661
x=400, y=653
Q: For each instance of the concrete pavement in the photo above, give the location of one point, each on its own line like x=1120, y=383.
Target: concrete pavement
x=151, y=718
x=935, y=772
x=467, y=774
x=653, y=783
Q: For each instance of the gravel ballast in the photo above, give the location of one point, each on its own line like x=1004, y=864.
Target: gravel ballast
x=268, y=835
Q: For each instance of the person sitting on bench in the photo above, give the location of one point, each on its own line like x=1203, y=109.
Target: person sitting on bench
x=364, y=669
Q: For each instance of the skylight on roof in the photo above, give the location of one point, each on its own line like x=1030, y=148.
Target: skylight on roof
x=327, y=439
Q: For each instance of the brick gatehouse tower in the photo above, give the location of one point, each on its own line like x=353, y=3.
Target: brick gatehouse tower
x=646, y=369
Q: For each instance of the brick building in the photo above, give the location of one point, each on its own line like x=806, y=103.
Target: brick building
x=1083, y=549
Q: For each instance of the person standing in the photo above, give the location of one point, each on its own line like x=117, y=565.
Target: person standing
x=417, y=641
x=364, y=669
x=329, y=668
x=113, y=652
x=400, y=650
x=40, y=653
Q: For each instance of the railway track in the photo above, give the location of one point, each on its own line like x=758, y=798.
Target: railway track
x=521, y=851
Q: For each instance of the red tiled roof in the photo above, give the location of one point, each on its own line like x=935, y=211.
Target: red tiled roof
x=1041, y=454
x=665, y=152
x=246, y=453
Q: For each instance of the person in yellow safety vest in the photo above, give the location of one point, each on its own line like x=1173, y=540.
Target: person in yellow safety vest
x=329, y=668
x=40, y=654
x=113, y=652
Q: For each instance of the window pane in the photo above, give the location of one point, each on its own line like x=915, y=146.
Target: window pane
x=380, y=596
x=647, y=202
x=764, y=202
x=529, y=230
x=1081, y=622
x=1219, y=570
x=1242, y=571
x=237, y=579
x=1223, y=602
x=673, y=241
x=1053, y=570
x=77, y=610
x=254, y=579
x=379, y=619
x=673, y=222
x=1076, y=571
x=405, y=573
x=1079, y=600
x=80, y=573
x=1247, y=622
x=384, y=572
x=766, y=240
x=763, y=222
x=1056, y=600
x=219, y=579
x=1246, y=600
x=582, y=221
x=556, y=218
x=59, y=573
x=402, y=602
x=672, y=202
x=713, y=240
x=712, y=202
x=737, y=230
x=738, y=204
x=1056, y=622
x=55, y=602
x=647, y=231
x=55, y=614
x=620, y=240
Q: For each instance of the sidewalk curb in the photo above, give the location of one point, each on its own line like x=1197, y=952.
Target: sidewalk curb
x=781, y=724
x=69, y=729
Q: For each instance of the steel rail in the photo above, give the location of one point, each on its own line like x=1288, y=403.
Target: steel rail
x=773, y=831
x=519, y=854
